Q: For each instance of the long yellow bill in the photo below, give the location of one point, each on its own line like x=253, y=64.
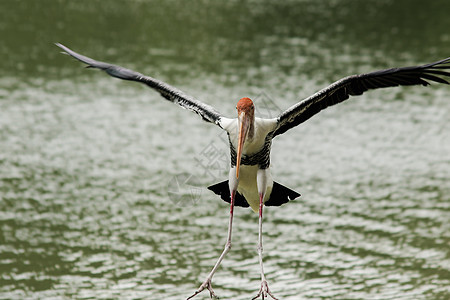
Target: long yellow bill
x=243, y=128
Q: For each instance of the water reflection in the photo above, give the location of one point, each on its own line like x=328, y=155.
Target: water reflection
x=86, y=160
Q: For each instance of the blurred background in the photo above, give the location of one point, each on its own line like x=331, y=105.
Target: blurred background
x=103, y=182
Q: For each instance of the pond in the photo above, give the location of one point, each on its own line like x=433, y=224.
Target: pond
x=103, y=182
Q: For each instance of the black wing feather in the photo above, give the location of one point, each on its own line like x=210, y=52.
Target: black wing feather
x=357, y=85
x=207, y=112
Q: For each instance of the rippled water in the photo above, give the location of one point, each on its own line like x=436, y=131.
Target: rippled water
x=89, y=206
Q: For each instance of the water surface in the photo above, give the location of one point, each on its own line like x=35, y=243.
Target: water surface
x=89, y=206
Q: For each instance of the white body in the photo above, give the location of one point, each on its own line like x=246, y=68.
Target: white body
x=252, y=181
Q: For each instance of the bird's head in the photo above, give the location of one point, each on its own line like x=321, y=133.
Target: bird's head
x=246, y=118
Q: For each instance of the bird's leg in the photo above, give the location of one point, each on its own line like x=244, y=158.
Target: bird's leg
x=264, y=290
x=207, y=283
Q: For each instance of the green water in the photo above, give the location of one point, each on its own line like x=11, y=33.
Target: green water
x=89, y=208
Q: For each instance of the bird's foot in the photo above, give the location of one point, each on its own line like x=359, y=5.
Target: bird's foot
x=205, y=285
x=264, y=291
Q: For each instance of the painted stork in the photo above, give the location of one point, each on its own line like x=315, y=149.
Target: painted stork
x=249, y=182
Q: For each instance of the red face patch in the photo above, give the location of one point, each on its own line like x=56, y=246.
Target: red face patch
x=245, y=104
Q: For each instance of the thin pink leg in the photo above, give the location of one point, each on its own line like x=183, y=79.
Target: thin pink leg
x=264, y=290
x=207, y=283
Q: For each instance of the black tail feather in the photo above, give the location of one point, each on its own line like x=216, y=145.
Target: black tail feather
x=223, y=190
x=280, y=194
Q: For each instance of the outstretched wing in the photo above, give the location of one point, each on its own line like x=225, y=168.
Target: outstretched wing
x=207, y=112
x=358, y=84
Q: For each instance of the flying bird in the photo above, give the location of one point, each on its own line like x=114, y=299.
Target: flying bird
x=250, y=183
